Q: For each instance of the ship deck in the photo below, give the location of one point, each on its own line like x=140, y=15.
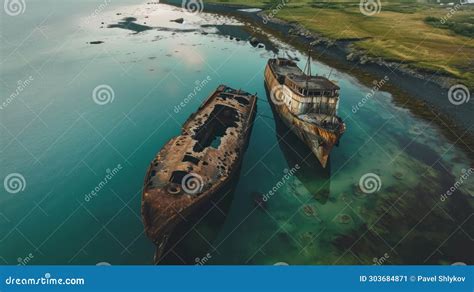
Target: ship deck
x=285, y=70
x=191, y=167
x=299, y=78
x=325, y=121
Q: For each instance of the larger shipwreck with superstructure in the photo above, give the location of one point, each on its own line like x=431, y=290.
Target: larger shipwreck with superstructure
x=193, y=167
x=306, y=103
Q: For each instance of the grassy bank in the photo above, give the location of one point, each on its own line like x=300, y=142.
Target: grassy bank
x=408, y=32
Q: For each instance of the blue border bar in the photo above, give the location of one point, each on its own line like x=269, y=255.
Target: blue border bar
x=239, y=278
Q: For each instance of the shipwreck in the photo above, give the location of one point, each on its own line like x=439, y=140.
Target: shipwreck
x=192, y=167
x=306, y=103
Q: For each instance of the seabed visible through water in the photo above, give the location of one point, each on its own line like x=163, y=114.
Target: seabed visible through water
x=63, y=143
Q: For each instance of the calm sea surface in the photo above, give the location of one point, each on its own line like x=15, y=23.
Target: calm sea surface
x=66, y=144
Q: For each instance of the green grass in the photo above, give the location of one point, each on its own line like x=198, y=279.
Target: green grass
x=405, y=31
x=462, y=25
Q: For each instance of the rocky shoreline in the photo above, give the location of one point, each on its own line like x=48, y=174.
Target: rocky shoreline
x=423, y=91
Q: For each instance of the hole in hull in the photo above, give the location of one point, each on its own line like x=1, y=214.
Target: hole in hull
x=209, y=134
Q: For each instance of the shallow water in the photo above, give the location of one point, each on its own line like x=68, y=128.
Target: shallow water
x=64, y=145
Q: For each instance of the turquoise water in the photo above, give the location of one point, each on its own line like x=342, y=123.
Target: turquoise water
x=64, y=145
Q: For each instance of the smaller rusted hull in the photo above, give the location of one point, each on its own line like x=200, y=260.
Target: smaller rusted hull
x=320, y=140
x=193, y=167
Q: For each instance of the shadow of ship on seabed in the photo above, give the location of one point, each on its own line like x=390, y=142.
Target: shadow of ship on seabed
x=311, y=174
x=191, y=241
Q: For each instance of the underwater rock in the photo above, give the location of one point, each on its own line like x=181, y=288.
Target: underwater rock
x=398, y=175
x=178, y=20
x=308, y=210
x=254, y=41
x=344, y=219
x=415, y=131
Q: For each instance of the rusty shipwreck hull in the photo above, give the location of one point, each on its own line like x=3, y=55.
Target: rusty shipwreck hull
x=321, y=141
x=194, y=166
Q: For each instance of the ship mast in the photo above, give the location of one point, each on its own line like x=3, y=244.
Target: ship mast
x=307, y=67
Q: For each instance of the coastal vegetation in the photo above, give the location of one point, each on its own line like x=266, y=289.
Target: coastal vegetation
x=435, y=38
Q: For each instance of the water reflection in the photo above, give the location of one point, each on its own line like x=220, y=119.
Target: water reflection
x=311, y=174
x=191, y=241
x=129, y=23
